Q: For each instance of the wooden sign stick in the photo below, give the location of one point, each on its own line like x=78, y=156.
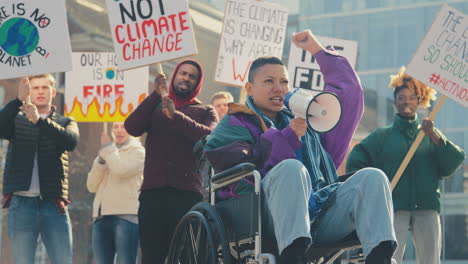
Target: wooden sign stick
x=159, y=66
x=415, y=145
x=242, y=95
x=104, y=127
x=28, y=98
x=160, y=70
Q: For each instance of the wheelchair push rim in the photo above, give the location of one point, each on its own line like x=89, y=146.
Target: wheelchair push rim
x=193, y=241
x=200, y=233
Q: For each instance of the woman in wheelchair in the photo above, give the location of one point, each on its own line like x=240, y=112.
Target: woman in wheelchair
x=303, y=201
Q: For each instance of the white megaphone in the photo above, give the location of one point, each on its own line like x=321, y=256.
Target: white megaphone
x=321, y=110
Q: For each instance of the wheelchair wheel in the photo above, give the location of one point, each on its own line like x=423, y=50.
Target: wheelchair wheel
x=217, y=226
x=209, y=226
x=193, y=241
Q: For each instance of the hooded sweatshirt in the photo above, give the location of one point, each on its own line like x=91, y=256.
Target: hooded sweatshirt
x=169, y=161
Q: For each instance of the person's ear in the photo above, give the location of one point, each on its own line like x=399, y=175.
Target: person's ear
x=54, y=92
x=249, y=88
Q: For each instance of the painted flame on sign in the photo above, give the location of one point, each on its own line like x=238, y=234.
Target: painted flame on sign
x=94, y=110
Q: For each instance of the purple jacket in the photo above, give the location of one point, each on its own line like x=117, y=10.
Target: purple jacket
x=244, y=137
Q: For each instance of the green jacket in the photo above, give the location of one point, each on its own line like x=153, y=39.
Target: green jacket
x=385, y=148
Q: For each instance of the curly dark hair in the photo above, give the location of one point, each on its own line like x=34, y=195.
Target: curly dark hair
x=402, y=80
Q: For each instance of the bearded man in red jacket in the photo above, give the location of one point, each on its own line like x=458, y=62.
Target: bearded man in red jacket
x=171, y=185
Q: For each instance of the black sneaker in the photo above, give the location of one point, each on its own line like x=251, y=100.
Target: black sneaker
x=294, y=253
x=382, y=253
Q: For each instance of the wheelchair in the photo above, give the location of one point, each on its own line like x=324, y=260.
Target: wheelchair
x=230, y=231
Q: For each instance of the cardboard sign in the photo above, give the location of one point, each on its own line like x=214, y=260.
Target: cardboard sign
x=96, y=91
x=150, y=31
x=304, y=70
x=34, y=38
x=251, y=29
x=441, y=60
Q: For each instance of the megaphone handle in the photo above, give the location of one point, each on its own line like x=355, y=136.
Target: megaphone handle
x=295, y=116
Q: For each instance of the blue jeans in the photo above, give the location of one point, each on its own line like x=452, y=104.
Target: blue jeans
x=113, y=235
x=30, y=216
x=363, y=204
x=286, y=190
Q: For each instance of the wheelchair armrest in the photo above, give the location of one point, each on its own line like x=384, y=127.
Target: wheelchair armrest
x=233, y=172
x=344, y=177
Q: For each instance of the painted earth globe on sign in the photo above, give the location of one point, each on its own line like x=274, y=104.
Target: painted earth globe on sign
x=110, y=73
x=18, y=36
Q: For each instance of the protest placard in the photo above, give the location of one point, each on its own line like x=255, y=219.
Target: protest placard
x=149, y=31
x=34, y=38
x=96, y=91
x=251, y=29
x=303, y=69
x=441, y=60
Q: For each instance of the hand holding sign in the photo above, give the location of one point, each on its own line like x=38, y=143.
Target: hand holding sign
x=31, y=112
x=24, y=89
x=160, y=86
x=428, y=127
x=168, y=107
x=306, y=40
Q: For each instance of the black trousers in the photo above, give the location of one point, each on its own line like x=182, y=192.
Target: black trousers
x=159, y=212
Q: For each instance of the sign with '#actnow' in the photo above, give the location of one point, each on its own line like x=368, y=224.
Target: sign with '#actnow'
x=34, y=38
x=441, y=60
x=96, y=91
x=304, y=70
x=149, y=31
x=251, y=29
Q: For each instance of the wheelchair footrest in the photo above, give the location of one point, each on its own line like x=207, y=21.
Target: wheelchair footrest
x=317, y=251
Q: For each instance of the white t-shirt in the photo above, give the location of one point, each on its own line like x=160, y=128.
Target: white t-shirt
x=34, y=188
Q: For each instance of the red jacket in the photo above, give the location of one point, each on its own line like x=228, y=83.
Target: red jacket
x=169, y=161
